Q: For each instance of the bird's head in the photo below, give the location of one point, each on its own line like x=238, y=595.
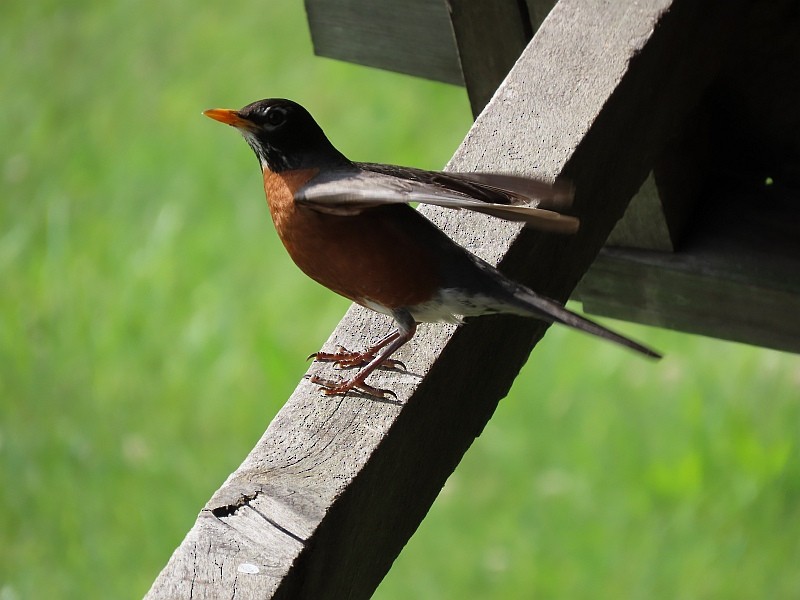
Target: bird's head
x=282, y=133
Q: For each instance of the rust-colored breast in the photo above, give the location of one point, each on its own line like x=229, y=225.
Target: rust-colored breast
x=280, y=189
x=369, y=257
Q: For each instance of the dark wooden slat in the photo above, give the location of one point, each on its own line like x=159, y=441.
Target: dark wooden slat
x=412, y=36
x=336, y=486
x=734, y=277
x=537, y=11
x=490, y=35
x=415, y=36
x=669, y=291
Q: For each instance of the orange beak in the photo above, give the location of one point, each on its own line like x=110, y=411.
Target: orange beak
x=229, y=117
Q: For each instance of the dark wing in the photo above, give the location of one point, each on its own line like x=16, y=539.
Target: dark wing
x=349, y=191
x=495, y=188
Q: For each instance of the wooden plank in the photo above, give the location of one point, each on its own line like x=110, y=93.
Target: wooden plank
x=667, y=290
x=412, y=36
x=415, y=36
x=734, y=276
x=490, y=35
x=537, y=11
x=336, y=486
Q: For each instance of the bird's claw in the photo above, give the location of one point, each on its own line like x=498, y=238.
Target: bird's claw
x=345, y=359
x=342, y=388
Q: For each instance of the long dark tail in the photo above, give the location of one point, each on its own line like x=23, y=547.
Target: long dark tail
x=530, y=303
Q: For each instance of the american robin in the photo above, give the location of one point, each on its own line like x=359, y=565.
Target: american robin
x=349, y=226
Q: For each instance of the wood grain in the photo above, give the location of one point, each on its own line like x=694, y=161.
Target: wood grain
x=490, y=35
x=412, y=36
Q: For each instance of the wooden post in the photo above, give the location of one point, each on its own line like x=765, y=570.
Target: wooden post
x=336, y=486
x=490, y=35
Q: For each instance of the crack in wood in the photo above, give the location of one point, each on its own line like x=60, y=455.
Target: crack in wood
x=227, y=511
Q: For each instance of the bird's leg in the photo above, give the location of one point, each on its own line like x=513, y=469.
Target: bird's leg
x=406, y=326
x=345, y=359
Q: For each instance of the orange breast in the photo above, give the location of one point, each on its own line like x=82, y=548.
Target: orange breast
x=369, y=257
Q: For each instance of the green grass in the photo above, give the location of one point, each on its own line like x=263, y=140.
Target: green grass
x=151, y=325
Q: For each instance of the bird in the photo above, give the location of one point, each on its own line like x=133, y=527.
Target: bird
x=350, y=226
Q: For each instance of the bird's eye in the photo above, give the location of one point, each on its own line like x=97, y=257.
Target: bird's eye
x=275, y=116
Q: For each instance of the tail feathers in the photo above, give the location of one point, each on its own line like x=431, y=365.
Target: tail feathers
x=550, y=310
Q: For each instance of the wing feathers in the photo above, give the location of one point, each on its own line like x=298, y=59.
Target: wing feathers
x=509, y=197
x=556, y=196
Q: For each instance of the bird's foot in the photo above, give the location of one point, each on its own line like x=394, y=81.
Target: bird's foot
x=342, y=388
x=345, y=359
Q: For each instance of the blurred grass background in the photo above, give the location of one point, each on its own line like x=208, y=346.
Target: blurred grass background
x=151, y=325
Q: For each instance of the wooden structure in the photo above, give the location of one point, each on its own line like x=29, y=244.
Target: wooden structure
x=719, y=207
x=611, y=95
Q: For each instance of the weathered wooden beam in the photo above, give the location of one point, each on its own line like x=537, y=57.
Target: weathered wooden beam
x=336, y=486
x=490, y=35
x=415, y=36
x=673, y=291
x=735, y=276
x=734, y=271
x=412, y=36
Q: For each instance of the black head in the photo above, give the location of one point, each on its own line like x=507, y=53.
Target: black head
x=282, y=134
